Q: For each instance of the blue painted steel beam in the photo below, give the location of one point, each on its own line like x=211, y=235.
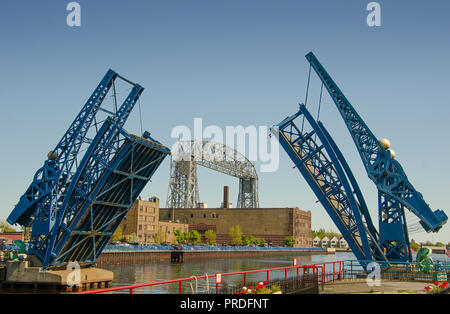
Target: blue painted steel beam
x=91, y=227
x=40, y=199
x=321, y=167
x=102, y=186
x=395, y=190
x=42, y=241
x=356, y=190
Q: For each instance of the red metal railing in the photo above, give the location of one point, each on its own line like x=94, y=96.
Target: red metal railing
x=319, y=271
x=328, y=275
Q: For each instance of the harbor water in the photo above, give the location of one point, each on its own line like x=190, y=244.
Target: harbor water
x=140, y=274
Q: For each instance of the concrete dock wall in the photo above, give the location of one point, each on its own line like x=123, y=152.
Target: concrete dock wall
x=147, y=257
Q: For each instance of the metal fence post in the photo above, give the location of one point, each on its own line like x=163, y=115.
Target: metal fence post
x=407, y=271
x=323, y=277
x=334, y=270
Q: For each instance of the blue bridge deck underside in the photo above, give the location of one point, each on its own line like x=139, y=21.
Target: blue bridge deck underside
x=315, y=158
x=83, y=237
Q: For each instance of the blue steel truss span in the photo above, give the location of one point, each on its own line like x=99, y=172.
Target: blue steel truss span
x=319, y=163
x=395, y=191
x=101, y=186
x=39, y=201
x=94, y=215
x=331, y=179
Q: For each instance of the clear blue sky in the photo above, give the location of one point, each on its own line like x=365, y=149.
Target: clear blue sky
x=232, y=63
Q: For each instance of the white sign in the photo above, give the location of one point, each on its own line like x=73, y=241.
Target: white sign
x=295, y=262
x=218, y=278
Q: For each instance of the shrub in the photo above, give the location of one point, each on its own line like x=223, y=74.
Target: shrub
x=289, y=241
x=210, y=237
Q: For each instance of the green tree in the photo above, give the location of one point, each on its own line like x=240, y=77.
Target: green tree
x=117, y=235
x=414, y=246
x=186, y=237
x=254, y=240
x=331, y=234
x=132, y=238
x=6, y=227
x=194, y=236
x=160, y=237
x=249, y=240
x=210, y=237
x=245, y=240
x=289, y=241
x=321, y=233
x=261, y=241
x=236, y=235
x=180, y=237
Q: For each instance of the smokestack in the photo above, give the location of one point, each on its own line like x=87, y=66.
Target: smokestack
x=226, y=197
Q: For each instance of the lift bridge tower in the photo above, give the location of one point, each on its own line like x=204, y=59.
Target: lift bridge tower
x=90, y=179
x=183, y=189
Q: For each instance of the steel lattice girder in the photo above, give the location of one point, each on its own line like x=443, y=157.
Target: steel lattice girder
x=395, y=190
x=320, y=165
x=108, y=141
x=69, y=182
x=104, y=194
x=183, y=185
x=51, y=179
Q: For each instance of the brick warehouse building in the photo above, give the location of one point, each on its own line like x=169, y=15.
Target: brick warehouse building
x=271, y=224
x=143, y=220
x=146, y=220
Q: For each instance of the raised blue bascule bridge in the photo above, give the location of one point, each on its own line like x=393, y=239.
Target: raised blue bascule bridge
x=318, y=158
x=90, y=179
